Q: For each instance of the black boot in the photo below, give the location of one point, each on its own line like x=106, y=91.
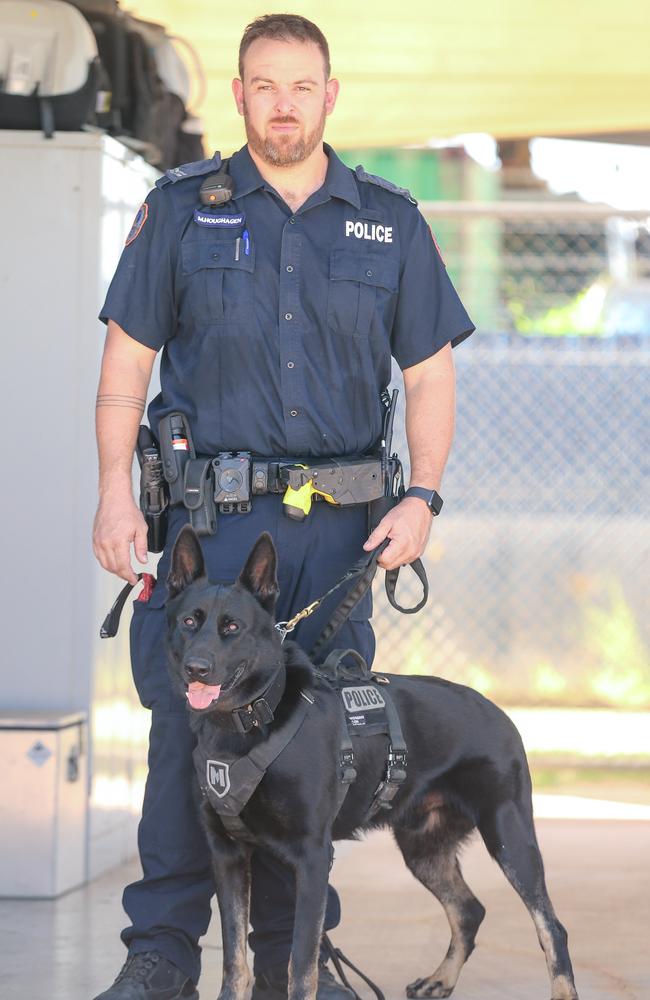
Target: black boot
x=274, y=983
x=148, y=976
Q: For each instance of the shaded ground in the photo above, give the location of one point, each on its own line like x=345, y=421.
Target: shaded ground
x=598, y=876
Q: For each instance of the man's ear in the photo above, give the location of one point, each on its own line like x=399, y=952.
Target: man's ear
x=187, y=561
x=259, y=575
x=238, y=94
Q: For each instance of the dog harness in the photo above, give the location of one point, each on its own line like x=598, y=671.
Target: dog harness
x=229, y=782
x=369, y=709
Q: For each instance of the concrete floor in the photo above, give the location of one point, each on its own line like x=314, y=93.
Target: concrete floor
x=598, y=872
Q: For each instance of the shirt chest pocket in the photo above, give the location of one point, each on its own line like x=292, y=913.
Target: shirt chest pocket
x=360, y=285
x=218, y=275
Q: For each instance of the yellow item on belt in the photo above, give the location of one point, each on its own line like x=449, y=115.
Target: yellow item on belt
x=297, y=503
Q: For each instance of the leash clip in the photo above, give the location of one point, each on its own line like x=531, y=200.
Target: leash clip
x=285, y=627
x=281, y=627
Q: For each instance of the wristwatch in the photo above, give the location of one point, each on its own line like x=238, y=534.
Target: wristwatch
x=432, y=499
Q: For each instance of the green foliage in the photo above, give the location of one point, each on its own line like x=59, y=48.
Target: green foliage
x=582, y=315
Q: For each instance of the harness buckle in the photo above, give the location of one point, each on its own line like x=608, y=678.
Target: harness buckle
x=348, y=770
x=396, y=766
x=262, y=711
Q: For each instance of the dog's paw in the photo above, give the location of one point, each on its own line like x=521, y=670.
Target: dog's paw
x=428, y=987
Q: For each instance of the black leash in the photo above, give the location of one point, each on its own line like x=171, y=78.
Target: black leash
x=338, y=960
x=365, y=569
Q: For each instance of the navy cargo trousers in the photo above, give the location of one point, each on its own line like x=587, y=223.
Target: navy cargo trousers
x=170, y=907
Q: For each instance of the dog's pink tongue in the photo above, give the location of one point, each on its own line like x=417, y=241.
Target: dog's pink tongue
x=202, y=695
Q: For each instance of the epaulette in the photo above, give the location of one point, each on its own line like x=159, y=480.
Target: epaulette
x=381, y=182
x=195, y=169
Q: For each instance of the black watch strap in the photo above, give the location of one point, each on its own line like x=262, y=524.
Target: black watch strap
x=432, y=499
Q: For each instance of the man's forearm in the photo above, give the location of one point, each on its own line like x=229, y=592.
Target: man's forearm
x=121, y=398
x=430, y=390
x=117, y=426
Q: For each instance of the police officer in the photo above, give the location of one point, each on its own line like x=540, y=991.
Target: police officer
x=277, y=317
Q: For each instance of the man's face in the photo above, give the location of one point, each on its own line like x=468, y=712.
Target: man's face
x=285, y=99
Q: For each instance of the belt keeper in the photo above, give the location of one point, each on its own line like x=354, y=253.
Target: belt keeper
x=198, y=496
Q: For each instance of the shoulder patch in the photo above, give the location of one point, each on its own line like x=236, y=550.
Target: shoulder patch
x=138, y=223
x=435, y=243
x=381, y=182
x=195, y=169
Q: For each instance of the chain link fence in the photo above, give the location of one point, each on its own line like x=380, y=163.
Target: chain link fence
x=539, y=563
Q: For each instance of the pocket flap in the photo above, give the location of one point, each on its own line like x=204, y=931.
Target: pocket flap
x=371, y=269
x=199, y=254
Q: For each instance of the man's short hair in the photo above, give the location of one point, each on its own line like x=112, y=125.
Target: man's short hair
x=285, y=27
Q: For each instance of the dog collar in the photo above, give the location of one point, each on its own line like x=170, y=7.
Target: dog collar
x=260, y=711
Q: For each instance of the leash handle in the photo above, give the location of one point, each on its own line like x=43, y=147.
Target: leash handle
x=391, y=585
x=111, y=622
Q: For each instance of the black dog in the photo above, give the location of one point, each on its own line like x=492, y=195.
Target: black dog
x=466, y=769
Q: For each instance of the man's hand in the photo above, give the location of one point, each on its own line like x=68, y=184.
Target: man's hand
x=118, y=523
x=408, y=526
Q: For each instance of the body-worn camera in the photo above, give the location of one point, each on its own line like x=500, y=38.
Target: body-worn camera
x=232, y=478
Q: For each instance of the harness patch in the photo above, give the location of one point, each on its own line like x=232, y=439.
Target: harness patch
x=212, y=221
x=138, y=223
x=360, y=699
x=218, y=777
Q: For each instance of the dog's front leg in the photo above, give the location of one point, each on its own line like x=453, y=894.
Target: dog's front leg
x=312, y=871
x=231, y=868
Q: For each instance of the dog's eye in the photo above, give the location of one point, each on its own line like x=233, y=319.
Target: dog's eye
x=190, y=621
x=228, y=627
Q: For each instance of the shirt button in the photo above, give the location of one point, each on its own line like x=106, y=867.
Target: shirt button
x=290, y=364
x=292, y=221
x=289, y=268
x=215, y=256
x=368, y=274
x=294, y=413
x=288, y=315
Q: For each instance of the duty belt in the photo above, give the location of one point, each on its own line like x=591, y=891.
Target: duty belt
x=229, y=481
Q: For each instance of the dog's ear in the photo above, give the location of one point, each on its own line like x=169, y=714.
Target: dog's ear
x=259, y=575
x=187, y=561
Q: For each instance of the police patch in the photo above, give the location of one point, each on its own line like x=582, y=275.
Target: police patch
x=138, y=223
x=360, y=699
x=218, y=776
x=368, y=231
x=215, y=220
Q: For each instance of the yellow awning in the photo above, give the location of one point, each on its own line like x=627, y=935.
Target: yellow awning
x=512, y=68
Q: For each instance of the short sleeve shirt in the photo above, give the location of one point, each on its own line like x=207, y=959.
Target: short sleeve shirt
x=278, y=327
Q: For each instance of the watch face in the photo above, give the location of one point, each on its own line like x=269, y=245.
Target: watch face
x=435, y=503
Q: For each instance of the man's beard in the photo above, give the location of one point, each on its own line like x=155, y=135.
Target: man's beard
x=284, y=150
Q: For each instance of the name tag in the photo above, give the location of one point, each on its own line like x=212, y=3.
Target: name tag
x=212, y=220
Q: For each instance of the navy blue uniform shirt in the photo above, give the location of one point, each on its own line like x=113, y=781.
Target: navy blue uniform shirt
x=277, y=326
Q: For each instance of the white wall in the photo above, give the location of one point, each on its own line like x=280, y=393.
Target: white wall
x=66, y=205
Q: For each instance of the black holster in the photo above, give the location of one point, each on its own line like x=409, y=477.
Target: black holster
x=154, y=499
